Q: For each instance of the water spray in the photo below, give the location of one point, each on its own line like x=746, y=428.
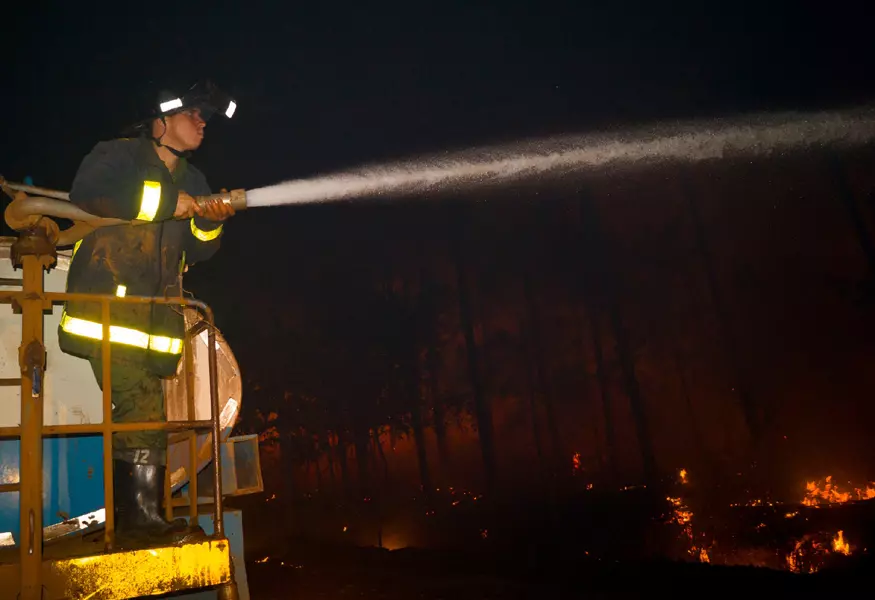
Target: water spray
x=661, y=144
x=697, y=141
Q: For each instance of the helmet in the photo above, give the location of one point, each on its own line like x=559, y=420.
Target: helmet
x=203, y=95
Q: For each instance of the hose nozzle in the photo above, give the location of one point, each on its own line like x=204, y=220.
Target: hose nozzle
x=236, y=198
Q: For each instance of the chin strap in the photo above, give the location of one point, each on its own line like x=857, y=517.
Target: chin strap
x=178, y=153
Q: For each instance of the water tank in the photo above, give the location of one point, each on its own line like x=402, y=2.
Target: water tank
x=73, y=466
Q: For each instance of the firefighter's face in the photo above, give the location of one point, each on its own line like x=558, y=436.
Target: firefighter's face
x=185, y=130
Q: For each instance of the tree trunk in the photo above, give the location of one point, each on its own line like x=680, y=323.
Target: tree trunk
x=344, y=466
x=379, y=444
x=361, y=436
x=431, y=313
x=608, y=285
x=855, y=216
x=437, y=406
x=698, y=443
x=318, y=473
x=330, y=454
x=533, y=398
x=413, y=393
x=482, y=409
x=752, y=417
x=537, y=351
x=633, y=390
x=605, y=389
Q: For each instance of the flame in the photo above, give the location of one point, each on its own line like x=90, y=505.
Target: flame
x=808, y=554
x=263, y=560
x=826, y=492
x=703, y=556
x=803, y=557
x=683, y=475
x=840, y=545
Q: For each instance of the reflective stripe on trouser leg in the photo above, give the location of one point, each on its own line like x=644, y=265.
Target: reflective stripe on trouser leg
x=137, y=396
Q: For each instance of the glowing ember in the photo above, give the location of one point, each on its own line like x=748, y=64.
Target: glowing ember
x=683, y=516
x=263, y=560
x=683, y=475
x=575, y=461
x=826, y=492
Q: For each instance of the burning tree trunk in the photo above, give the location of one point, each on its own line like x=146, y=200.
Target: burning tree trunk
x=482, y=408
x=606, y=282
x=537, y=353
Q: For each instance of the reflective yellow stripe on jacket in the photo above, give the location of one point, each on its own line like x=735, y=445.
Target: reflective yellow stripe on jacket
x=205, y=236
x=150, y=201
x=121, y=335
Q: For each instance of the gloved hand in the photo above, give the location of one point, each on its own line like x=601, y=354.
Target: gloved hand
x=217, y=210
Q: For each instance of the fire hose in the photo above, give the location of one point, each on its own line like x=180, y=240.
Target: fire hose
x=31, y=211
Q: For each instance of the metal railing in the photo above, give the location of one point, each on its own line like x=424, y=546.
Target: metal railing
x=32, y=300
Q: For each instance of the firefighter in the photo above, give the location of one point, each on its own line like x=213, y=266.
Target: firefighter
x=148, y=178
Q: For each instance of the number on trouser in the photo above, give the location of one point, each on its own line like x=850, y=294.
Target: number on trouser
x=141, y=456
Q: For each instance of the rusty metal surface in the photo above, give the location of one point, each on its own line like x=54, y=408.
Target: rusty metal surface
x=38, y=243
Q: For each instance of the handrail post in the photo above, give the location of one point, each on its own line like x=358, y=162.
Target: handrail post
x=108, y=492
x=218, y=518
x=191, y=415
x=31, y=358
x=33, y=251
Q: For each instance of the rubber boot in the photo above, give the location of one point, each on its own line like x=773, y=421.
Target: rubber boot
x=139, y=491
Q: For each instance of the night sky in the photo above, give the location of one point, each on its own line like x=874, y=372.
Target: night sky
x=328, y=86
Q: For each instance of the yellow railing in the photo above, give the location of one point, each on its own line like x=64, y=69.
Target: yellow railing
x=32, y=301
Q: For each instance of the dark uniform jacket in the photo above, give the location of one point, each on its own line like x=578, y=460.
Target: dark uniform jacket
x=126, y=179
